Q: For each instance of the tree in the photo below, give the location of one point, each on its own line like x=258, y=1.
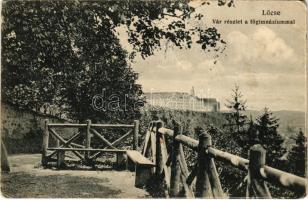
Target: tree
x=248, y=138
x=66, y=53
x=237, y=105
x=269, y=138
x=297, y=155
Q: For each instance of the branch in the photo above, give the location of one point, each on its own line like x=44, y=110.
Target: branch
x=178, y=16
x=171, y=15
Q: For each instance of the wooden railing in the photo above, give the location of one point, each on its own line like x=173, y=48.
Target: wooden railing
x=84, y=151
x=173, y=167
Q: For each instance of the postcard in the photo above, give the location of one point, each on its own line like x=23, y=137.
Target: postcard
x=153, y=99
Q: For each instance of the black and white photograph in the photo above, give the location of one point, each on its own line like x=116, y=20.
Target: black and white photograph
x=142, y=99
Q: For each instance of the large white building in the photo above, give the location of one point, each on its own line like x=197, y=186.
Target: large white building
x=182, y=101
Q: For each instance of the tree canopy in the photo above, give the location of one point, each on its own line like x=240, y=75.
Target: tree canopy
x=64, y=53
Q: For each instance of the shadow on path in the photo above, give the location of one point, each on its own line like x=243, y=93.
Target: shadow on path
x=19, y=184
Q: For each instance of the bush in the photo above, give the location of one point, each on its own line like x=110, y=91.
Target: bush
x=30, y=143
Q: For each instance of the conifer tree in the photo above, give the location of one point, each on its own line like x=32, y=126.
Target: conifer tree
x=236, y=105
x=249, y=138
x=269, y=138
x=297, y=155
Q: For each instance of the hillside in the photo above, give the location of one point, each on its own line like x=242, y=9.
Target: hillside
x=290, y=121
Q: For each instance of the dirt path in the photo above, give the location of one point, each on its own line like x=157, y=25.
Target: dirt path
x=28, y=180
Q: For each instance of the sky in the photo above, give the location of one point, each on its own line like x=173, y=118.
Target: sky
x=266, y=61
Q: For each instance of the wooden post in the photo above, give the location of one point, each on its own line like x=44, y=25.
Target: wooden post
x=5, y=166
x=88, y=140
x=175, y=165
x=257, y=155
x=60, y=159
x=203, y=186
x=166, y=169
x=135, y=136
x=45, y=144
x=153, y=148
x=159, y=162
x=212, y=172
x=146, y=144
x=60, y=154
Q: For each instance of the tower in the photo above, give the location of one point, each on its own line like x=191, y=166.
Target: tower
x=192, y=91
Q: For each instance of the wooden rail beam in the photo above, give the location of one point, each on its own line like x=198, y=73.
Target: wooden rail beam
x=75, y=136
x=64, y=141
x=115, y=144
x=77, y=145
x=103, y=139
x=112, y=125
x=122, y=138
x=229, y=158
x=55, y=125
x=85, y=149
x=284, y=179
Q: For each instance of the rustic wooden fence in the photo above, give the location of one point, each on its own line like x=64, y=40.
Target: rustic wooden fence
x=84, y=152
x=169, y=164
x=173, y=167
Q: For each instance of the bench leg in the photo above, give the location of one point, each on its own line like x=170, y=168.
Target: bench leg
x=130, y=165
x=143, y=175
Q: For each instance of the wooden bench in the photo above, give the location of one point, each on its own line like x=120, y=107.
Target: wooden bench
x=141, y=165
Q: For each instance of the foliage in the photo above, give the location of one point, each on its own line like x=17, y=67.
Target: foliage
x=297, y=155
x=237, y=106
x=31, y=142
x=249, y=138
x=267, y=135
x=65, y=53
